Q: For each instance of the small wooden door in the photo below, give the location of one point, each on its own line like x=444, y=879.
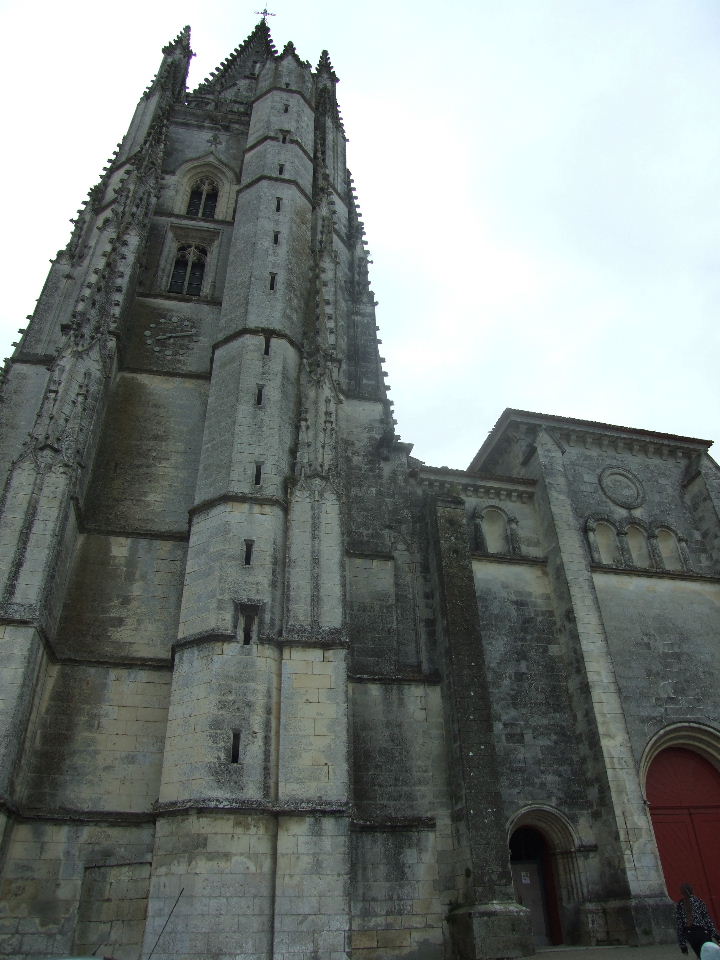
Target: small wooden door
x=527, y=880
x=534, y=882
x=683, y=790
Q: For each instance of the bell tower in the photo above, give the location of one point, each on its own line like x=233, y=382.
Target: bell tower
x=222, y=719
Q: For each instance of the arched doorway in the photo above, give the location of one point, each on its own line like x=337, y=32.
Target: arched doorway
x=534, y=881
x=683, y=790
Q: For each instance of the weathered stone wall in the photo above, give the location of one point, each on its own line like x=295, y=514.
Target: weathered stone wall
x=398, y=907
x=527, y=670
x=98, y=740
x=662, y=634
x=113, y=903
x=45, y=867
x=145, y=470
x=123, y=598
x=224, y=865
x=398, y=750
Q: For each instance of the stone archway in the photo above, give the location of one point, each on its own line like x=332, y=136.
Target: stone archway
x=545, y=873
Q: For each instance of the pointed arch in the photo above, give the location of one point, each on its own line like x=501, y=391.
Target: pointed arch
x=194, y=172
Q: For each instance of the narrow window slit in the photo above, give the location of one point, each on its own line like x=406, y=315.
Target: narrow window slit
x=278, y=204
x=258, y=474
x=272, y=280
x=268, y=338
x=276, y=237
x=235, y=749
x=281, y=169
x=283, y=139
x=259, y=395
x=248, y=622
x=248, y=552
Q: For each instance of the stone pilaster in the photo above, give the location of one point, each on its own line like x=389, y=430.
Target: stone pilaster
x=491, y=923
x=634, y=900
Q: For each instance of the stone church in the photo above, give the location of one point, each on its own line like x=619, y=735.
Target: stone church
x=270, y=687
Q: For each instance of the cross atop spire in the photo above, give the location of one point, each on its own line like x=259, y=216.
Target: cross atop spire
x=265, y=13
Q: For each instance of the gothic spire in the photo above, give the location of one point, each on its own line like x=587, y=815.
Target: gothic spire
x=181, y=43
x=325, y=67
x=258, y=46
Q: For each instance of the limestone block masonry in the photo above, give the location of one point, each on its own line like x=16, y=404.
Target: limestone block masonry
x=270, y=687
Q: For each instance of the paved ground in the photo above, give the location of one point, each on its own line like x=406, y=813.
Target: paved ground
x=664, y=951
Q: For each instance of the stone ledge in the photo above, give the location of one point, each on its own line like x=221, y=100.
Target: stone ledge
x=174, y=374
x=204, y=505
x=508, y=558
x=373, y=824
x=427, y=678
x=688, y=575
x=24, y=812
x=250, y=805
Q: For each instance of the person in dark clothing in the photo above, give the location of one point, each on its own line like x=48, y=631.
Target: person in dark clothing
x=694, y=924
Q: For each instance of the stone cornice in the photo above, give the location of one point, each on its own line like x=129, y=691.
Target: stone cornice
x=588, y=434
x=459, y=483
x=25, y=812
x=285, y=180
x=211, y=502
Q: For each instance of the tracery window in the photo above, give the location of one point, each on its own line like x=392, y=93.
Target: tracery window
x=203, y=198
x=188, y=270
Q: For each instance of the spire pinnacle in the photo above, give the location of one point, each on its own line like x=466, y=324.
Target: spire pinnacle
x=258, y=45
x=265, y=13
x=325, y=66
x=181, y=42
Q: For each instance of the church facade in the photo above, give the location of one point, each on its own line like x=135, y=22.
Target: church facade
x=270, y=687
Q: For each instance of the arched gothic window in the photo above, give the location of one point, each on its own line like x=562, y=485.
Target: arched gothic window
x=188, y=270
x=203, y=198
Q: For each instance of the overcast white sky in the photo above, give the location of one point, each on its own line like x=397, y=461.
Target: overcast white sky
x=538, y=180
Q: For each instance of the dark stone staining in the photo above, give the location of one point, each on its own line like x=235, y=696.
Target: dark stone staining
x=527, y=673
x=144, y=473
x=117, y=588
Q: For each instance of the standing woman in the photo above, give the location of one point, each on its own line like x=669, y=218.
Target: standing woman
x=693, y=921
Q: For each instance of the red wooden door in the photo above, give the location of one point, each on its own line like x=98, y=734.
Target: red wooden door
x=683, y=790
